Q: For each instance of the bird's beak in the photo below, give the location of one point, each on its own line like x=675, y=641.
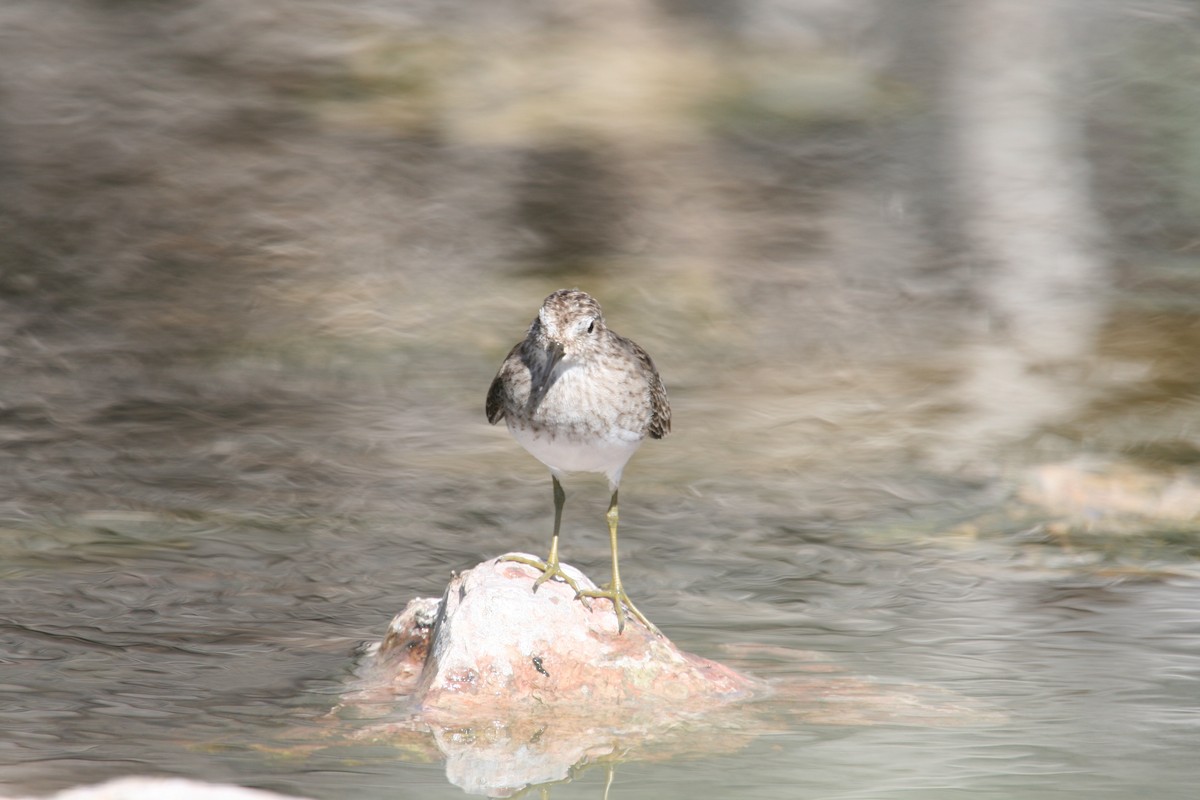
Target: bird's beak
x=543, y=377
x=554, y=354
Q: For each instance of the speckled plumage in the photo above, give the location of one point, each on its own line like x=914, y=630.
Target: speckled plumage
x=579, y=401
x=579, y=398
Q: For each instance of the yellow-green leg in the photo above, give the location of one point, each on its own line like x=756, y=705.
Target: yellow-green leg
x=550, y=567
x=614, y=591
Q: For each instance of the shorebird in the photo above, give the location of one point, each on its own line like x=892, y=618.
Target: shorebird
x=580, y=398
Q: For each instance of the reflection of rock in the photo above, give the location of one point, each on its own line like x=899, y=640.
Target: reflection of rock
x=501, y=760
x=1093, y=493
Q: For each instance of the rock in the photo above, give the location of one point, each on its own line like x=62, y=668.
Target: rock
x=498, y=648
x=145, y=788
x=518, y=688
x=1106, y=493
x=401, y=655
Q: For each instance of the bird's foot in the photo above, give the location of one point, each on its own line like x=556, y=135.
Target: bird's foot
x=550, y=570
x=620, y=601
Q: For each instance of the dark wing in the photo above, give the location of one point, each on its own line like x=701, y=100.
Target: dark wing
x=660, y=407
x=495, y=401
x=495, y=398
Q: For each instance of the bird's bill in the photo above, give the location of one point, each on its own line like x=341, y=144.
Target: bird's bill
x=543, y=377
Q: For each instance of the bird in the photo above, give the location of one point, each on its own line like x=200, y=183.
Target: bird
x=580, y=398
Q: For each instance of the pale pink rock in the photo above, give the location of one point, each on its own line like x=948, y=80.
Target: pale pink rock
x=499, y=648
x=1105, y=492
x=518, y=688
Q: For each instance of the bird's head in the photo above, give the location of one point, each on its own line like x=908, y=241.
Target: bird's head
x=569, y=325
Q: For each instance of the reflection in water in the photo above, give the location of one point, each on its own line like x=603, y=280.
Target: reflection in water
x=258, y=263
x=452, y=678
x=1027, y=215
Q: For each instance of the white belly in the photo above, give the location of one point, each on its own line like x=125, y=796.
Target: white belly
x=563, y=454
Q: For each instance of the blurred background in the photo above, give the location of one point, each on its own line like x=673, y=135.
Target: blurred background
x=922, y=278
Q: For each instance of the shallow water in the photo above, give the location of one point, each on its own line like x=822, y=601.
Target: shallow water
x=136, y=644
x=260, y=265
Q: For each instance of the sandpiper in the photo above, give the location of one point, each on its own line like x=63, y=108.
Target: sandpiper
x=580, y=398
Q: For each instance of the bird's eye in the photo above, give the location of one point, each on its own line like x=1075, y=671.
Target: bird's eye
x=591, y=326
